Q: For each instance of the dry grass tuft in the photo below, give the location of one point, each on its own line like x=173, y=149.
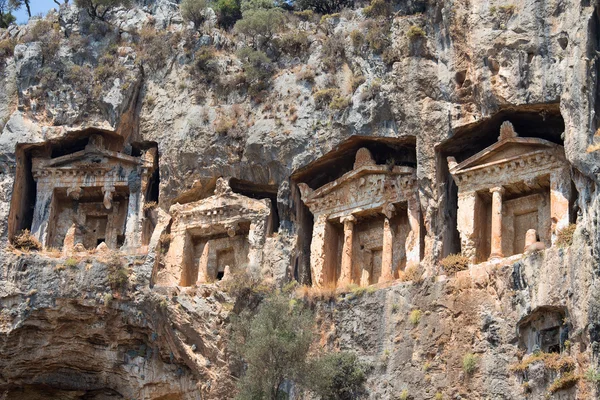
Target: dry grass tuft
x=454, y=263
x=26, y=241
x=312, y=295
x=564, y=237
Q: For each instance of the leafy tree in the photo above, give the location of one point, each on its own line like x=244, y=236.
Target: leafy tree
x=337, y=376
x=274, y=344
x=194, y=11
x=16, y=4
x=229, y=11
x=97, y=9
x=6, y=17
x=260, y=23
x=323, y=6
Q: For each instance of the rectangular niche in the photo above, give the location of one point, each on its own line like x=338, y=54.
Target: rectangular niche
x=93, y=222
x=212, y=254
x=482, y=233
x=522, y=212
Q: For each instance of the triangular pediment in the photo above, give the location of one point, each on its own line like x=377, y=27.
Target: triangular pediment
x=91, y=157
x=506, y=150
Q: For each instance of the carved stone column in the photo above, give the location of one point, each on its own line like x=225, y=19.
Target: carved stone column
x=317, y=252
x=256, y=240
x=496, y=247
x=42, y=213
x=467, y=202
x=413, y=241
x=346, y=270
x=560, y=193
x=387, y=253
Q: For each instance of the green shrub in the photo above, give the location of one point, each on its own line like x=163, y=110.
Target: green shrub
x=295, y=43
x=257, y=67
x=339, y=103
x=325, y=96
x=260, y=23
x=323, y=6
x=404, y=394
x=333, y=53
x=228, y=12
x=415, y=317
x=154, y=47
x=378, y=8
x=592, y=375
x=205, y=65
x=439, y=396
x=305, y=15
x=453, y=263
x=357, y=38
x=71, y=262
x=378, y=36
x=337, y=376
x=118, y=274
x=194, y=11
x=48, y=34
x=98, y=9
x=469, y=363
x=275, y=344
x=7, y=50
x=564, y=237
x=415, y=32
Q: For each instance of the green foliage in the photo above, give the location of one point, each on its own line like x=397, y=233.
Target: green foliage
x=98, y=9
x=71, y=262
x=6, y=17
x=256, y=4
x=439, y=396
x=17, y=4
x=323, y=6
x=48, y=34
x=274, y=343
x=324, y=96
x=378, y=36
x=228, y=12
x=469, y=363
x=155, y=47
x=257, y=68
x=337, y=376
x=404, y=394
x=415, y=317
x=357, y=38
x=7, y=50
x=118, y=274
x=294, y=43
x=305, y=15
x=194, y=11
x=260, y=23
x=205, y=65
x=415, y=32
x=333, y=52
x=378, y=8
x=453, y=263
x=593, y=375
x=340, y=103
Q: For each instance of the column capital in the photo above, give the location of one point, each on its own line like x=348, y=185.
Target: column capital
x=497, y=189
x=350, y=219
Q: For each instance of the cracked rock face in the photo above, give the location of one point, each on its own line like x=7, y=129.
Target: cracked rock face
x=69, y=332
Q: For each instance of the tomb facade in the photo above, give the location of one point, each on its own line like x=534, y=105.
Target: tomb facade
x=367, y=224
x=90, y=197
x=514, y=186
x=213, y=237
x=545, y=329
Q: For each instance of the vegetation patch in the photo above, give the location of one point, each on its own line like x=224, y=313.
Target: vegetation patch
x=415, y=32
x=26, y=241
x=564, y=237
x=565, y=381
x=454, y=263
x=469, y=363
x=415, y=317
x=552, y=361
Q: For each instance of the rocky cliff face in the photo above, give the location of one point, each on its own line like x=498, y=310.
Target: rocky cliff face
x=451, y=72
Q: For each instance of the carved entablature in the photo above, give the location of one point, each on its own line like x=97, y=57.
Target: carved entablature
x=369, y=186
x=223, y=208
x=511, y=160
x=92, y=167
